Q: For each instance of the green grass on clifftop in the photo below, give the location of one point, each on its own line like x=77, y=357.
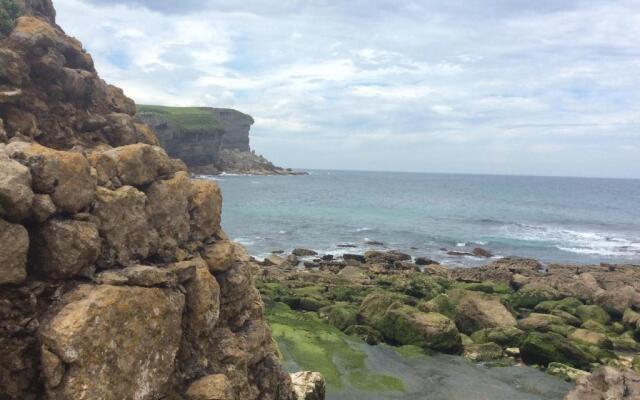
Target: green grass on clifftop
x=312, y=344
x=189, y=119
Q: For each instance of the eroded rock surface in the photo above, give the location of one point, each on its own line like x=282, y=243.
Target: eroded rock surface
x=116, y=280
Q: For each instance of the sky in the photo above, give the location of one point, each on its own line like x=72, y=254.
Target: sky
x=542, y=87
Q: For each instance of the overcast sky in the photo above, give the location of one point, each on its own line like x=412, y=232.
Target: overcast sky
x=542, y=87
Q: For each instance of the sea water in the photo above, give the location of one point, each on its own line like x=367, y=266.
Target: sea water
x=568, y=220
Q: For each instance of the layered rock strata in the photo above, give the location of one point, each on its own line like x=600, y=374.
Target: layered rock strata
x=210, y=140
x=116, y=280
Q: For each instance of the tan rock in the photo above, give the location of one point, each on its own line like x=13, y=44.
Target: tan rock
x=615, y=301
x=477, y=311
x=43, y=208
x=122, y=222
x=65, y=248
x=539, y=322
x=168, y=212
x=14, y=246
x=308, y=385
x=16, y=196
x=126, y=336
x=205, y=206
x=139, y=164
x=211, y=387
x=203, y=299
x=220, y=256
x=66, y=176
x=148, y=275
x=607, y=383
x=590, y=337
x=105, y=167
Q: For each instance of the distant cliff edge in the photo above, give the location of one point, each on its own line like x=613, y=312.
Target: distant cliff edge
x=209, y=140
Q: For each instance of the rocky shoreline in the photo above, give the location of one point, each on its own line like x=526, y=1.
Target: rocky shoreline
x=581, y=323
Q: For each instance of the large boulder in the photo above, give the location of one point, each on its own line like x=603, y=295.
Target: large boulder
x=168, y=212
x=220, y=256
x=205, y=207
x=16, y=196
x=122, y=223
x=615, y=301
x=404, y=324
x=13, y=257
x=138, y=164
x=478, y=311
x=533, y=293
x=112, y=342
x=544, y=348
x=607, y=383
x=65, y=175
x=62, y=248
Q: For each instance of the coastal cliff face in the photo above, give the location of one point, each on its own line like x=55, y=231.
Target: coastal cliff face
x=116, y=280
x=209, y=140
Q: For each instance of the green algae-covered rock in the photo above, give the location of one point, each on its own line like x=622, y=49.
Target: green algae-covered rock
x=635, y=364
x=592, y=312
x=441, y=304
x=342, y=315
x=544, y=348
x=631, y=319
x=566, y=317
x=364, y=332
x=594, y=326
x=591, y=338
x=416, y=284
x=485, y=287
x=539, y=322
x=625, y=342
x=311, y=304
x=403, y=324
x=566, y=372
x=504, y=336
x=568, y=304
x=480, y=352
x=532, y=294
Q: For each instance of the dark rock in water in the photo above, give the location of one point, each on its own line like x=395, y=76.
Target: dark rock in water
x=480, y=252
x=311, y=264
x=327, y=257
x=425, y=261
x=277, y=252
x=458, y=253
x=385, y=257
x=303, y=252
x=607, y=383
x=374, y=242
x=346, y=246
x=353, y=257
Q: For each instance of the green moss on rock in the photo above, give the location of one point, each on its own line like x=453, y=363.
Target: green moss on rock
x=544, y=348
x=592, y=312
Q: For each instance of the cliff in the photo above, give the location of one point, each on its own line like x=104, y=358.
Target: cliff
x=209, y=140
x=116, y=279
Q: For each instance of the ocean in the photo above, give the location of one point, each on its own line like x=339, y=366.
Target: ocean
x=567, y=220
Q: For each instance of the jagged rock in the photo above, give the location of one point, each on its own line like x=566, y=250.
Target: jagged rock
x=607, y=383
x=205, y=206
x=477, y=311
x=128, y=336
x=13, y=258
x=43, y=208
x=203, y=299
x=220, y=256
x=148, y=275
x=122, y=222
x=64, y=248
x=136, y=164
x=66, y=176
x=211, y=387
x=168, y=212
x=299, y=252
x=308, y=385
x=16, y=196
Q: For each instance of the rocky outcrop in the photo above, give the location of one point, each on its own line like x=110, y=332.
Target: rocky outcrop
x=209, y=140
x=116, y=280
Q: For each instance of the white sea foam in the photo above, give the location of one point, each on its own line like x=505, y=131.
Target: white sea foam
x=579, y=242
x=461, y=244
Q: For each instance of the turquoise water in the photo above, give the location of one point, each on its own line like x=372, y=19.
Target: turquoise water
x=574, y=220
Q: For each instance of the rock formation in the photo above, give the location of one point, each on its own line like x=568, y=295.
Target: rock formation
x=209, y=140
x=116, y=280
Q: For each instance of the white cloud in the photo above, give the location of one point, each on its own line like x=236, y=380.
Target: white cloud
x=465, y=85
